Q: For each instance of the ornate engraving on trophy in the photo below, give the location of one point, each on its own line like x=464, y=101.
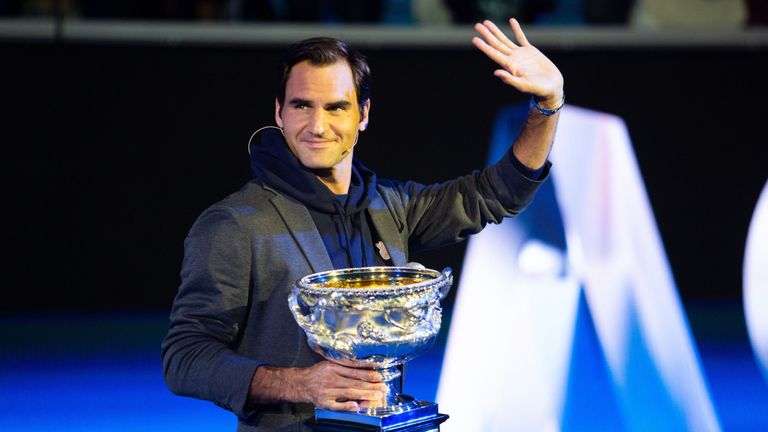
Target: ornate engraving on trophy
x=378, y=317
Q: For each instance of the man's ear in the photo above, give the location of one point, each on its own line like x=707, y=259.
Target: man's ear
x=278, y=119
x=364, y=116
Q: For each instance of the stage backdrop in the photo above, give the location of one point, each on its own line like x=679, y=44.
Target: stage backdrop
x=111, y=150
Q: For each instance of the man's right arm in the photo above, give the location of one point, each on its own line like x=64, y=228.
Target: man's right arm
x=208, y=315
x=209, y=312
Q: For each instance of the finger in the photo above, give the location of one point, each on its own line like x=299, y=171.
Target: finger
x=356, y=394
x=367, y=375
x=352, y=383
x=490, y=51
x=491, y=39
x=373, y=404
x=519, y=35
x=499, y=34
x=369, y=404
x=341, y=406
x=510, y=79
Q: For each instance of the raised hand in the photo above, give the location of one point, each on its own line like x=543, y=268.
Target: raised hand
x=523, y=66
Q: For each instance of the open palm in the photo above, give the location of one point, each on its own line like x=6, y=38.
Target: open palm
x=523, y=66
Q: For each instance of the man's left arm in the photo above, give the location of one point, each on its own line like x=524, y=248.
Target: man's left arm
x=441, y=214
x=526, y=69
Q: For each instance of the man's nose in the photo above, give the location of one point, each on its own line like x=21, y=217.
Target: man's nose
x=317, y=123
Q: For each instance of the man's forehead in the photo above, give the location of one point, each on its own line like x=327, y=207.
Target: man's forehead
x=335, y=80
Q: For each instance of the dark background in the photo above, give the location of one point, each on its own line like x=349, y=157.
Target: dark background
x=111, y=150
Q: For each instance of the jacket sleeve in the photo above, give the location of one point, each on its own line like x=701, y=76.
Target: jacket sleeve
x=445, y=213
x=209, y=312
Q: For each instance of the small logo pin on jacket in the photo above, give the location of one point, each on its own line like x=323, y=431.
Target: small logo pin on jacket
x=383, y=250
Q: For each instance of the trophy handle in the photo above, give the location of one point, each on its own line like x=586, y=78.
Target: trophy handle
x=303, y=315
x=447, y=274
x=445, y=289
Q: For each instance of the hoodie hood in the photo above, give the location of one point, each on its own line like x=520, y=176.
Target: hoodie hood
x=273, y=162
x=344, y=228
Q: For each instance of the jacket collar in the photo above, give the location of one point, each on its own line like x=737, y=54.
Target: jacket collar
x=302, y=228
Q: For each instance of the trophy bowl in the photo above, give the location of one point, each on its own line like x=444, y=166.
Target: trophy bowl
x=375, y=317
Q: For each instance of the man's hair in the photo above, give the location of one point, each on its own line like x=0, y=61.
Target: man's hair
x=324, y=51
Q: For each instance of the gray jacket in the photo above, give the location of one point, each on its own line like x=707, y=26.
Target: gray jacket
x=243, y=254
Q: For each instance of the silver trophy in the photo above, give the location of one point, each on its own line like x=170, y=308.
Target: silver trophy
x=377, y=317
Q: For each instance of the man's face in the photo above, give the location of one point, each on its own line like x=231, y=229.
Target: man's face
x=321, y=117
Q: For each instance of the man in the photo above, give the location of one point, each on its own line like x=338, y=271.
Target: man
x=312, y=207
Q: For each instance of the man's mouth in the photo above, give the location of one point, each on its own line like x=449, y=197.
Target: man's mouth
x=318, y=142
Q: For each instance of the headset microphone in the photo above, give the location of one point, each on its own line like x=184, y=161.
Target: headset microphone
x=259, y=130
x=357, y=135
x=345, y=152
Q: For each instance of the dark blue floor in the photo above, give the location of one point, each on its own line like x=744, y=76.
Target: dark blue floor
x=94, y=373
x=103, y=373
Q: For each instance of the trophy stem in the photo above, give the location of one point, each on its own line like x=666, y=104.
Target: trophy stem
x=395, y=401
x=391, y=377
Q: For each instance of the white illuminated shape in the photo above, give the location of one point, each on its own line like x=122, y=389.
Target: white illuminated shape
x=539, y=258
x=511, y=335
x=756, y=281
x=508, y=349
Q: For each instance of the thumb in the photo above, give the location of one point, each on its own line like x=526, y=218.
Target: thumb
x=509, y=79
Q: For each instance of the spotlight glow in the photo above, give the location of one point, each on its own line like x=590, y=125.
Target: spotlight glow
x=756, y=281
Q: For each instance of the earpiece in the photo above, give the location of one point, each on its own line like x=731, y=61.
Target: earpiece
x=360, y=128
x=259, y=130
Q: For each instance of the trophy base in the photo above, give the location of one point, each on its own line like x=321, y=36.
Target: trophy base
x=423, y=418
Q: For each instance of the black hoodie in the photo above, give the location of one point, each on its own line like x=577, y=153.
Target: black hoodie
x=341, y=220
